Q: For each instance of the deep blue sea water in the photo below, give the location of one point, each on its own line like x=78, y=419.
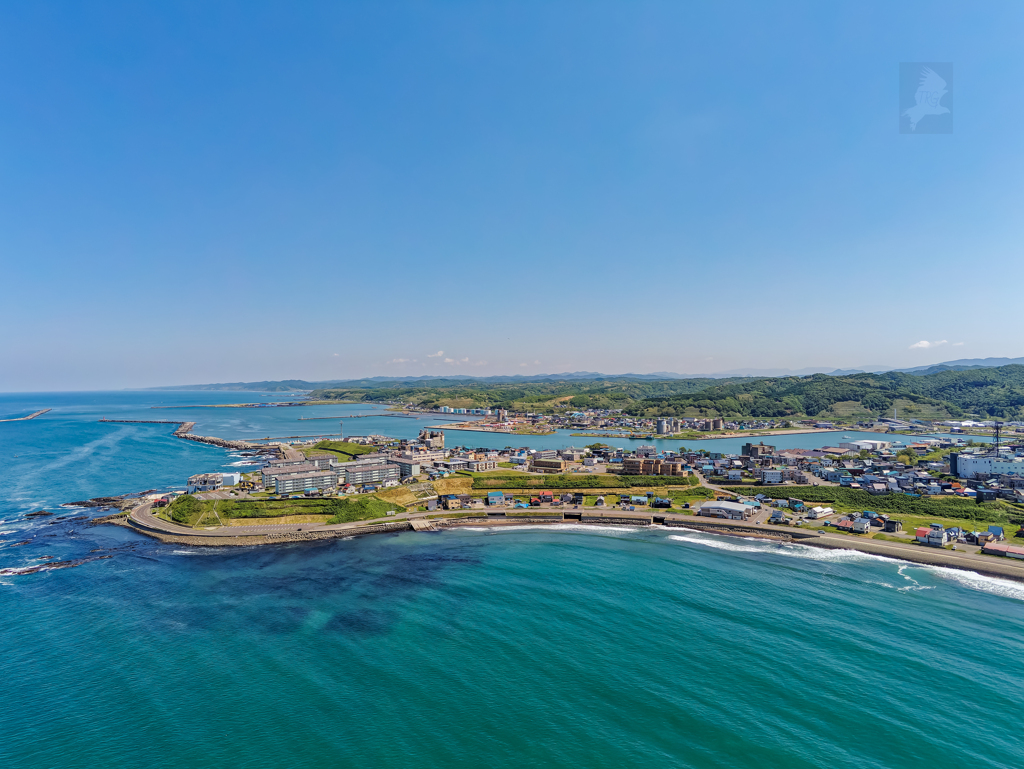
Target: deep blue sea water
x=547, y=646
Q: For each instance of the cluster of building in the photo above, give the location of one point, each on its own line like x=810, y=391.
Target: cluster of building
x=875, y=466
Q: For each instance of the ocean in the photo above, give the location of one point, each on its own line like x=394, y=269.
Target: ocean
x=534, y=646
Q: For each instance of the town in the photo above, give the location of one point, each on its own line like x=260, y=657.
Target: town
x=942, y=492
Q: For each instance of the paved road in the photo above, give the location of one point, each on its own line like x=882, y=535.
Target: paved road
x=983, y=563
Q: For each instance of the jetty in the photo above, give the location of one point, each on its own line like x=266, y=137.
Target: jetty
x=30, y=416
x=184, y=432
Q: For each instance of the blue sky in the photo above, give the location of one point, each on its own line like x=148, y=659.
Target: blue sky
x=201, y=192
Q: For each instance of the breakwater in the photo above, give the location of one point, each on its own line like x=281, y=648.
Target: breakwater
x=30, y=416
x=184, y=431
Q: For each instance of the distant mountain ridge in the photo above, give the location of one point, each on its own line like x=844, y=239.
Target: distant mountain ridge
x=289, y=385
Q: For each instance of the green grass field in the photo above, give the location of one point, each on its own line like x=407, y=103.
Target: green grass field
x=344, y=450
x=189, y=510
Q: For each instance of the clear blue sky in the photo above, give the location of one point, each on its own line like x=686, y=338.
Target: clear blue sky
x=216, y=191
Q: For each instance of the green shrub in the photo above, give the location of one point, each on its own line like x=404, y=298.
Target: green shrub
x=360, y=508
x=185, y=509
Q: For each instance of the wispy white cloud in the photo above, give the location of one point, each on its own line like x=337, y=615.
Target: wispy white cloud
x=958, y=344
x=437, y=354
x=399, y=360
x=335, y=355
x=924, y=345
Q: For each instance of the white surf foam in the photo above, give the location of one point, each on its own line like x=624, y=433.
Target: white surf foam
x=974, y=581
x=721, y=543
x=551, y=527
x=738, y=545
x=969, y=579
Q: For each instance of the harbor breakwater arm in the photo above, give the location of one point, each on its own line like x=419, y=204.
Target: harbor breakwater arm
x=30, y=416
x=184, y=431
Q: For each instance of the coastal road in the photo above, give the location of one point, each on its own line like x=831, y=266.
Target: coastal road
x=984, y=564
x=145, y=517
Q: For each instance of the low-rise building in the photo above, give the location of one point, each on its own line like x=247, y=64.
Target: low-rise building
x=649, y=466
x=323, y=461
x=269, y=473
x=933, y=536
x=1002, y=548
x=205, y=482
x=290, y=483
x=407, y=467
x=358, y=473
x=548, y=465
x=432, y=439
x=731, y=510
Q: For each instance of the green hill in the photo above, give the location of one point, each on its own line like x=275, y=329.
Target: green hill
x=987, y=392
x=995, y=392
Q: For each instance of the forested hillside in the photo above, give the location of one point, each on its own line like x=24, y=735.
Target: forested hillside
x=532, y=396
x=988, y=392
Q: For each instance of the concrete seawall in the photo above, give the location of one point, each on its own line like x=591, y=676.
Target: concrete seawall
x=982, y=564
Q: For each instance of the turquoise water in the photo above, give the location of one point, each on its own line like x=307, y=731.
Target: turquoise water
x=563, y=646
